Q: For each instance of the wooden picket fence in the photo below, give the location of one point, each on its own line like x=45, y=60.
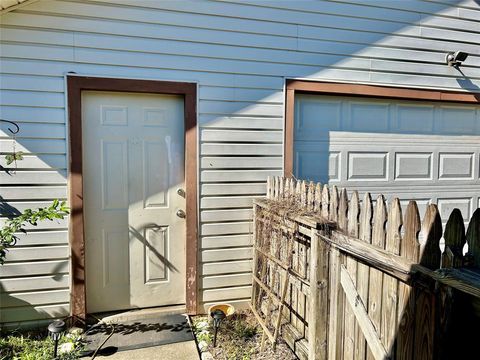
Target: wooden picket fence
x=340, y=278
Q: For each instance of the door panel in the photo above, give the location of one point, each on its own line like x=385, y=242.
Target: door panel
x=133, y=164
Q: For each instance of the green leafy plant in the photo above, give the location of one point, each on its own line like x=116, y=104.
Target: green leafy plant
x=243, y=330
x=13, y=157
x=8, y=233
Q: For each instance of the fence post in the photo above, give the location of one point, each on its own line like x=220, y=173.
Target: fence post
x=318, y=300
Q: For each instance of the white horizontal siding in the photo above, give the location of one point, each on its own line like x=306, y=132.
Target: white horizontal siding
x=237, y=189
x=226, y=215
x=32, y=113
x=46, y=237
x=59, y=281
x=35, y=297
x=239, y=122
x=239, y=53
x=209, y=242
x=34, y=146
x=238, y=162
x=226, y=254
x=12, y=316
x=32, y=83
x=37, y=253
x=227, y=267
x=226, y=294
x=240, y=149
x=33, y=268
x=37, y=162
x=14, y=207
x=237, y=175
x=227, y=202
x=33, y=193
x=230, y=280
x=240, y=136
x=39, y=177
x=243, y=227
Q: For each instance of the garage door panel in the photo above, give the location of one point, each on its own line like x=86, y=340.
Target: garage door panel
x=316, y=118
x=327, y=163
x=367, y=166
x=446, y=206
x=414, y=119
x=413, y=166
x=421, y=151
x=456, y=166
x=457, y=120
x=368, y=117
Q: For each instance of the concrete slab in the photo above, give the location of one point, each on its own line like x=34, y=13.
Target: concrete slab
x=148, y=334
x=186, y=350
x=140, y=314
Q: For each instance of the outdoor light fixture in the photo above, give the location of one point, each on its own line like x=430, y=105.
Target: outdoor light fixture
x=455, y=58
x=218, y=313
x=55, y=330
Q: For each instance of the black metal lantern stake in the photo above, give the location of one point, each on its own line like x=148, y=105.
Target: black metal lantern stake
x=217, y=315
x=55, y=330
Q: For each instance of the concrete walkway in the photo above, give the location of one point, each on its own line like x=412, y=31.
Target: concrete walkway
x=159, y=333
x=186, y=350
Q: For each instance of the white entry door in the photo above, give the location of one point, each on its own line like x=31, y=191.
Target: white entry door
x=133, y=171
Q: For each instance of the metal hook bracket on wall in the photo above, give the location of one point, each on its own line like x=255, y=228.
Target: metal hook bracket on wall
x=13, y=131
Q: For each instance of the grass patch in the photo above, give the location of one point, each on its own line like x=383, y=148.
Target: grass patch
x=38, y=346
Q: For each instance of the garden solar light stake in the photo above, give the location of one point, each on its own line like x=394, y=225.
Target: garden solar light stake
x=55, y=330
x=217, y=315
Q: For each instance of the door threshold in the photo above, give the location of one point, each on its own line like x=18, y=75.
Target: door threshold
x=139, y=314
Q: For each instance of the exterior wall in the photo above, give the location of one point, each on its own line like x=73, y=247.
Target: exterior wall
x=239, y=54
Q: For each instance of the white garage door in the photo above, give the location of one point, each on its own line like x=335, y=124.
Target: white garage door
x=413, y=150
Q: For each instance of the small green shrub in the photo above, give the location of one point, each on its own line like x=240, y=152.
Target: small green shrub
x=8, y=237
x=244, y=330
x=236, y=340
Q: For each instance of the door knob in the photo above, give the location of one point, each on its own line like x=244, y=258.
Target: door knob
x=181, y=214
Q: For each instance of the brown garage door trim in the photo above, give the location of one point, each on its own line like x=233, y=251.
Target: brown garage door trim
x=329, y=88
x=75, y=86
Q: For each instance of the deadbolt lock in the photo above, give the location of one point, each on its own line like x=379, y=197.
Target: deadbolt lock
x=181, y=192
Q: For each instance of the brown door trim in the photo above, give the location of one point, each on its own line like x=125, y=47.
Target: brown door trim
x=75, y=86
x=329, y=88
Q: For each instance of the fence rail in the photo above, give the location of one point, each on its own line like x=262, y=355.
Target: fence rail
x=363, y=279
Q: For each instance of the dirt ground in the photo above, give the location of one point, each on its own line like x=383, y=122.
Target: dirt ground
x=239, y=337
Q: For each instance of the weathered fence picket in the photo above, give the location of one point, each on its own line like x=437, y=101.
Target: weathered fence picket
x=365, y=234
x=409, y=249
x=340, y=279
x=376, y=276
